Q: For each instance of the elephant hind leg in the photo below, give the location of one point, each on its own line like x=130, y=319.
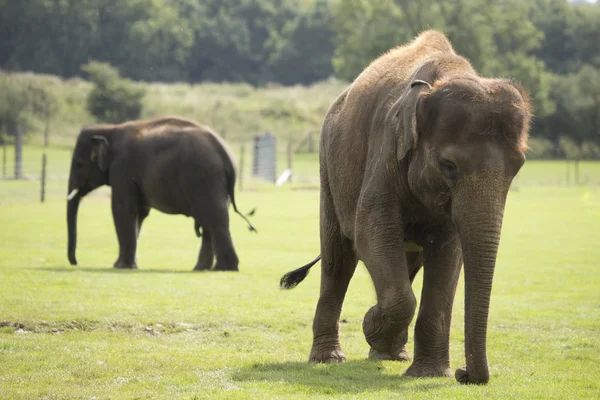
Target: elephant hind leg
x=227, y=259
x=206, y=256
x=210, y=211
x=338, y=263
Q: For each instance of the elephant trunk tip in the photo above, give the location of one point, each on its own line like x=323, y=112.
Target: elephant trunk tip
x=72, y=259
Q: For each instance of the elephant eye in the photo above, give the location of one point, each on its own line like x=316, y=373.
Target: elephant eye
x=448, y=169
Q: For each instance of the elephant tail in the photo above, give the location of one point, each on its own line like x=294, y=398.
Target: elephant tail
x=250, y=227
x=231, y=189
x=230, y=175
x=293, y=278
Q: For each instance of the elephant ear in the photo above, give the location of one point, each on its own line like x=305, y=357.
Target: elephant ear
x=100, y=152
x=401, y=119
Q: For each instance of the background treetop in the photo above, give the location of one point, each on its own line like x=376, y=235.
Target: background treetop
x=551, y=46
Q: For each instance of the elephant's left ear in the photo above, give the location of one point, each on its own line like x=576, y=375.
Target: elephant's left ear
x=100, y=152
x=401, y=119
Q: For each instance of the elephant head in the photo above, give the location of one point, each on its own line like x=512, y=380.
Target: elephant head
x=462, y=141
x=89, y=170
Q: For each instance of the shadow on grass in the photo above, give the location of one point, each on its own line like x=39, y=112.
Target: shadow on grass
x=343, y=378
x=110, y=270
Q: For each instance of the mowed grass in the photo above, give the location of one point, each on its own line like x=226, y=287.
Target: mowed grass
x=165, y=332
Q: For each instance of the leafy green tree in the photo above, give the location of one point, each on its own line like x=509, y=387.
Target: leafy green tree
x=516, y=40
x=14, y=101
x=552, y=17
x=159, y=44
x=231, y=36
x=44, y=104
x=302, y=52
x=550, y=46
x=363, y=30
x=112, y=98
x=366, y=29
x=578, y=95
x=47, y=36
x=584, y=33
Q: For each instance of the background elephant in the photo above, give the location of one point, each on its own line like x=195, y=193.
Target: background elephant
x=416, y=158
x=171, y=164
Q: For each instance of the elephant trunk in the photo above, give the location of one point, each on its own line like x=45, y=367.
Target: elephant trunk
x=72, y=208
x=479, y=221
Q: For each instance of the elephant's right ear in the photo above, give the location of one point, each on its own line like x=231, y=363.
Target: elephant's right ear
x=401, y=119
x=100, y=152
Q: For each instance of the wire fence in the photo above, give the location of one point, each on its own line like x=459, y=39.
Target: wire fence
x=48, y=181
x=296, y=161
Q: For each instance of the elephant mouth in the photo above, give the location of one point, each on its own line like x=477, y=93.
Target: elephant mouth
x=412, y=246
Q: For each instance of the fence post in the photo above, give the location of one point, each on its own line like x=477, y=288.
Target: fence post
x=310, y=142
x=43, y=188
x=241, y=177
x=289, y=159
x=19, y=153
x=4, y=160
x=576, y=167
x=46, y=131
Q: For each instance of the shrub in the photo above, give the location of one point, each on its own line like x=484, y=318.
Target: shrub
x=13, y=102
x=112, y=98
x=23, y=98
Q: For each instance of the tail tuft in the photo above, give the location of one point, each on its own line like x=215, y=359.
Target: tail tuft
x=250, y=227
x=293, y=278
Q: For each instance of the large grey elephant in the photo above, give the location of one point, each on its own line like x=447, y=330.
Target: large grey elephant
x=171, y=164
x=417, y=156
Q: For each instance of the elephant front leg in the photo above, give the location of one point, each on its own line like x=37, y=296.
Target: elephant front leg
x=127, y=223
x=400, y=355
x=386, y=324
x=143, y=212
x=380, y=246
x=206, y=256
x=414, y=261
x=442, y=260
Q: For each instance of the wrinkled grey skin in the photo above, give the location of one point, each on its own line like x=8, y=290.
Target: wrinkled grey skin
x=416, y=159
x=170, y=164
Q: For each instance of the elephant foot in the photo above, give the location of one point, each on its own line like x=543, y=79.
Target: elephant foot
x=385, y=339
x=327, y=356
x=221, y=267
x=123, y=265
x=421, y=370
x=465, y=377
x=202, y=268
x=385, y=356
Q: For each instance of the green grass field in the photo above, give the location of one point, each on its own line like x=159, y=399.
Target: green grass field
x=164, y=332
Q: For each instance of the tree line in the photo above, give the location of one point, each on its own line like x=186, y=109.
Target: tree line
x=551, y=46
